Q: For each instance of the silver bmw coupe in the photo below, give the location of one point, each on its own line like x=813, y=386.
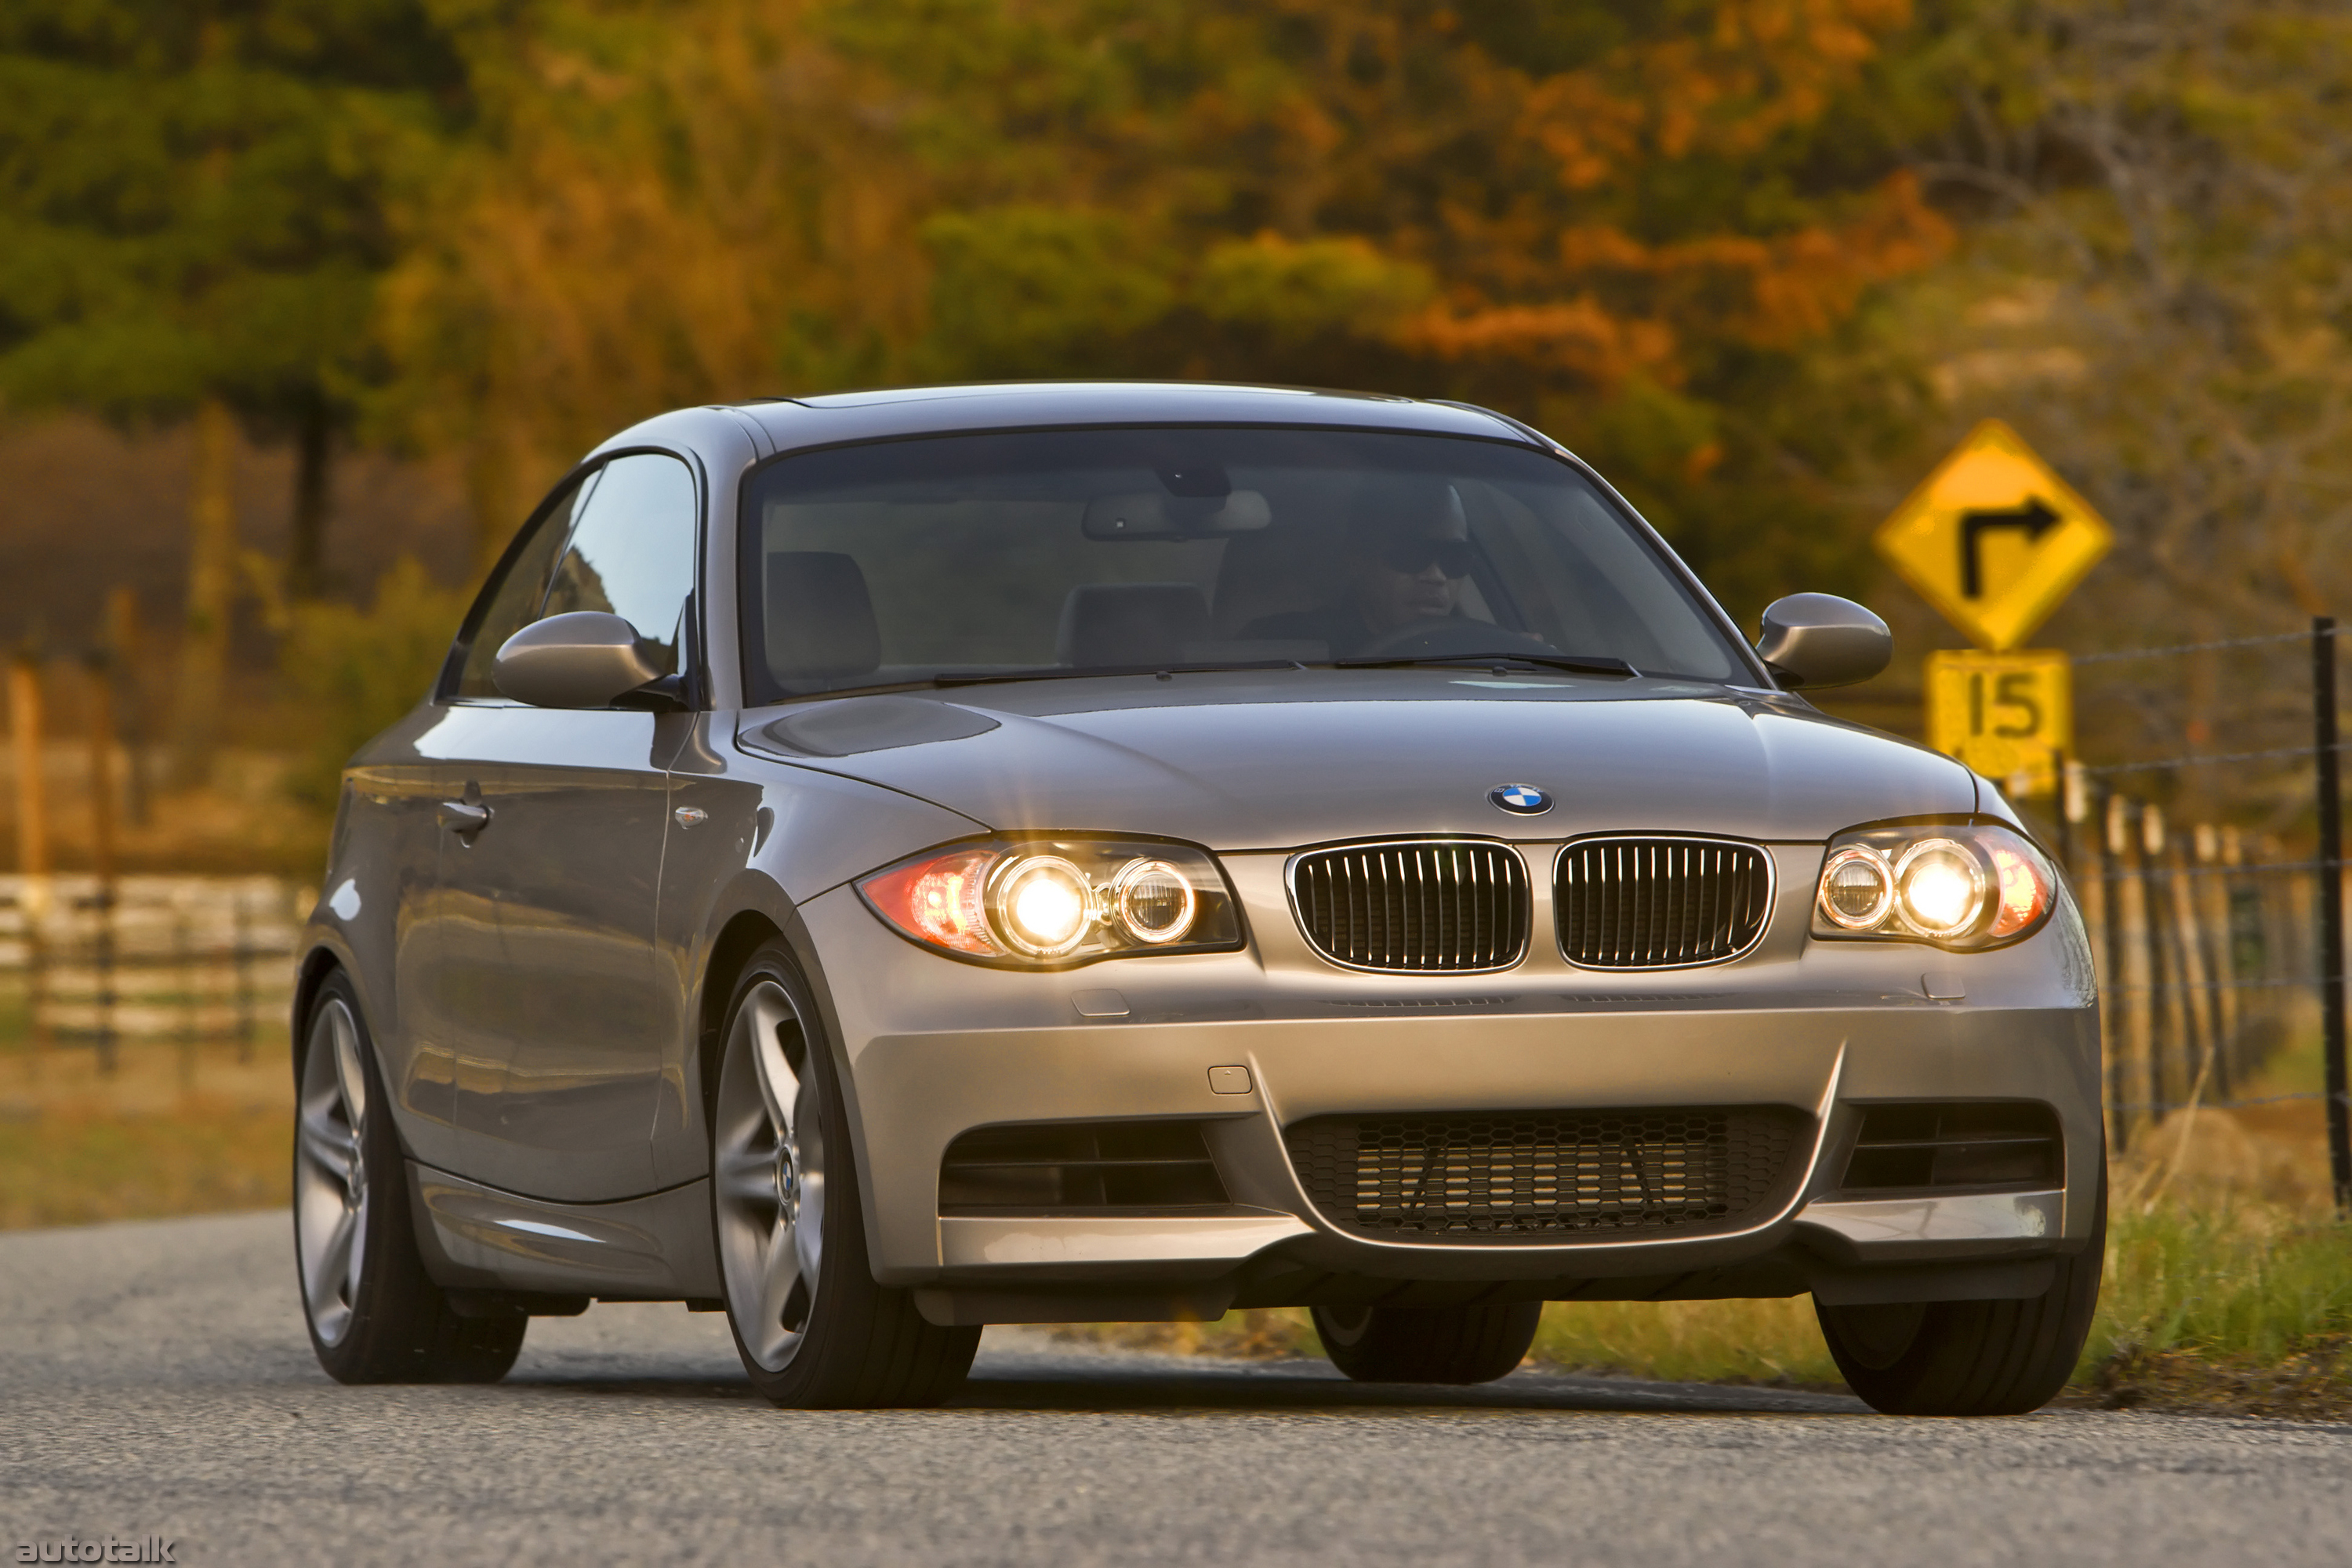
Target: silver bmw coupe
x=880, y=865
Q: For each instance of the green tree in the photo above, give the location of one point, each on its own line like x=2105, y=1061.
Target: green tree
x=192, y=219
x=1633, y=223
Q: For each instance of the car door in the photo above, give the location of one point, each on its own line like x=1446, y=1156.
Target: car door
x=553, y=849
x=450, y=979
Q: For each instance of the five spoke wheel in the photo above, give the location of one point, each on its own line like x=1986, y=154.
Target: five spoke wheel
x=769, y=1166
x=331, y=1174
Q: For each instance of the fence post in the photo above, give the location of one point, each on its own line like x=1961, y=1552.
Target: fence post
x=2213, y=927
x=2133, y=989
x=2196, y=1046
x=32, y=837
x=2090, y=875
x=102, y=824
x=2165, y=1034
x=185, y=957
x=2331, y=906
x=242, y=958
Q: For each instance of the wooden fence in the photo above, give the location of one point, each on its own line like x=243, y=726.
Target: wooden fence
x=149, y=958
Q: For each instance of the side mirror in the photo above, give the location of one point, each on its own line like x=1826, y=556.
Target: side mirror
x=1818, y=639
x=584, y=659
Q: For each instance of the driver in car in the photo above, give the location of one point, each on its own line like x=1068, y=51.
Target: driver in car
x=1406, y=551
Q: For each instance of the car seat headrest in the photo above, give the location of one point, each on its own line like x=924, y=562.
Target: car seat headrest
x=820, y=617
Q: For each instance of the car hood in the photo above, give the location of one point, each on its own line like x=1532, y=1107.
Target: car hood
x=1276, y=759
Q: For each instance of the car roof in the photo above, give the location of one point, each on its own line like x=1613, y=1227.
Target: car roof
x=791, y=423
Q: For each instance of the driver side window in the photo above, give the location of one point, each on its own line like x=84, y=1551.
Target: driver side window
x=515, y=598
x=622, y=541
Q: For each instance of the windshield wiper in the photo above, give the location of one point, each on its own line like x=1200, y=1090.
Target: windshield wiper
x=1570, y=663
x=1065, y=672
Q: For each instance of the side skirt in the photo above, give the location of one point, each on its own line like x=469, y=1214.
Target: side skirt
x=658, y=1247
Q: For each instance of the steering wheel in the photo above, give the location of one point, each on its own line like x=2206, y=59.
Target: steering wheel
x=1451, y=636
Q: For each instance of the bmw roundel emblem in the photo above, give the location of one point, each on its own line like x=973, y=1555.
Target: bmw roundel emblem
x=1525, y=799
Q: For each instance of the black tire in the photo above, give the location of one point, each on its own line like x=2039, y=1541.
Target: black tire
x=1972, y=1358
x=385, y=1321
x=1428, y=1344
x=844, y=1342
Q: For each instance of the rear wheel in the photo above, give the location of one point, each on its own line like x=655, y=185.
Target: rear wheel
x=1971, y=1358
x=374, y=1313
x=813, y=1329
x=1427, y=1344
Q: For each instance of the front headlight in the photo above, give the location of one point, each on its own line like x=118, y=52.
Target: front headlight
x=1959, y=887
x=1049, y=903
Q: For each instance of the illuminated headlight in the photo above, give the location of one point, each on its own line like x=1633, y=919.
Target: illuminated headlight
x=1957, y=887
x=1043, y=905
x=1057, y=902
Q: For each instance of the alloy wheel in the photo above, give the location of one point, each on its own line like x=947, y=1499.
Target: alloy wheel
x=331, y=1175
x=769, y=1169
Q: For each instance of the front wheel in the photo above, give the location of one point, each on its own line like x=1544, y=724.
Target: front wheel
x=813, y=1329
x=375, y=1315
x=1427, y=1344
x=1971, y=1358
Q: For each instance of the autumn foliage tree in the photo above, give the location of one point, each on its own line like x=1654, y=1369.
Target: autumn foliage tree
x=1629, y=222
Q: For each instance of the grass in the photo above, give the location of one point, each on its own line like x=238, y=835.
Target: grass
x=173, y=1129
x=81, y=1167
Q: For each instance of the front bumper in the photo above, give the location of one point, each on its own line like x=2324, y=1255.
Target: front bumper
x=934, y=1047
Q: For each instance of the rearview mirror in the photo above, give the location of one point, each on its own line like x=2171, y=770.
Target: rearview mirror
x=1149, y=514
x=582, y=659
x=1812, y=640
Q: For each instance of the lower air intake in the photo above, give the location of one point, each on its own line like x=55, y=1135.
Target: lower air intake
x=1546, y=1177
x=1059, y=1166
x=1957, y=1143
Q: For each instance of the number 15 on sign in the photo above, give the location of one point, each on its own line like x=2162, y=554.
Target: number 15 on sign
x=2003, y=713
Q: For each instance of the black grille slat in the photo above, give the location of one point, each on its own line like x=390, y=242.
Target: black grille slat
x=1440, y=907
x=1660, y=903
x=1545, y=1176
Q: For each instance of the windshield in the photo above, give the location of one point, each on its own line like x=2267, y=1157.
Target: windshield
x=1047, y=552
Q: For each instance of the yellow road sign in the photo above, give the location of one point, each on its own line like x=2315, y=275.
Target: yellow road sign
x=1993, y=539
x=2004, y=714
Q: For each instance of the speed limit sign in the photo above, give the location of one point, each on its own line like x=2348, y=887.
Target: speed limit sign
x=2003, y=714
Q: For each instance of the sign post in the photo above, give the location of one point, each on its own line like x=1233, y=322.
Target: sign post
x=1995, y=540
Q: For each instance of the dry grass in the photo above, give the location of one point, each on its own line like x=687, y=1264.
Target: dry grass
x=200, y=1158
x=173, y=1130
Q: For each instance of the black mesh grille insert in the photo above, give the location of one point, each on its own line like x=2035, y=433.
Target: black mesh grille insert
x=1656, y=903
x=1953, y=1144
x=1545, y=1175
x=1428, y=908
x=1062, y=1166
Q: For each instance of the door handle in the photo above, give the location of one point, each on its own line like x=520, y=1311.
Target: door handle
x=463, y=817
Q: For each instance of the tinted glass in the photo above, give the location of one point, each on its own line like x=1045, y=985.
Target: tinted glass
x=632, y=551
x=514, y=597
x=900, y=561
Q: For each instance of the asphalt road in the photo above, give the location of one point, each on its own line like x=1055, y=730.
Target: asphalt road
x=155, y=1380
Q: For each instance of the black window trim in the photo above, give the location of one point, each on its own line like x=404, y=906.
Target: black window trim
x=693, y=687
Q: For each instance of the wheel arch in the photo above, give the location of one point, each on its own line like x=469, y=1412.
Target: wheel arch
x=760, y=912
x=745, y=932
x=322, y=960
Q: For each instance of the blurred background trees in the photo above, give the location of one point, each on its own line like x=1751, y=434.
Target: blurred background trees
x=1762, y=261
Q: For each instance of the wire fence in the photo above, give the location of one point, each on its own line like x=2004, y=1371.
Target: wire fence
x=2212, y=941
